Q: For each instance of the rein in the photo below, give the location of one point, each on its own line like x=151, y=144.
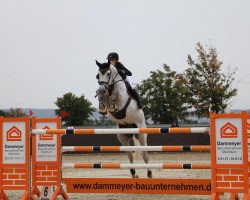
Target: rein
x=110, y=87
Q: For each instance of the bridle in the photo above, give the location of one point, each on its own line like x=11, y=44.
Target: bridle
x=109, y=86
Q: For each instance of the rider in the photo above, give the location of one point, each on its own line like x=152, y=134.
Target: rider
x=124, y=73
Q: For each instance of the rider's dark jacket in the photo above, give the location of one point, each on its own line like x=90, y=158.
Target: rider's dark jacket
x=123, y=71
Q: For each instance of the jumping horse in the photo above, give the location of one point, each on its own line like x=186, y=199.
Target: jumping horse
x=116, y=102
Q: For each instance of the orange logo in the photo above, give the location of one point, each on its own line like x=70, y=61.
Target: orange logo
x=228, y=131
x=14, y=134
x=45, y=136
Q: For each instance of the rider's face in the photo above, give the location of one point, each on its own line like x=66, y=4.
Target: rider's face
x=113, y=61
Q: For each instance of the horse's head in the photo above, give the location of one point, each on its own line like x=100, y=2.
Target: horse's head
x=107, y=77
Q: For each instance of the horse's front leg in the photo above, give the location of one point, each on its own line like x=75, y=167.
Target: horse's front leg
x=103, y=101
x=112, y=107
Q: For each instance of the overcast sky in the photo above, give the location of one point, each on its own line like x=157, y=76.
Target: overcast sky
x=49, y=47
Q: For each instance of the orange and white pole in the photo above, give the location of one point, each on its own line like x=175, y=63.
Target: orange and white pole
x=184, y=148
x=136, y=166
x=189, y=130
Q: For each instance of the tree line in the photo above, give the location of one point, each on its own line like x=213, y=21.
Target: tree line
x=166, y=95
x=202, y=88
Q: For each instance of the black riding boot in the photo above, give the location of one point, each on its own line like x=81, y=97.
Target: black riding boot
x=134, y=94
x=137, y=98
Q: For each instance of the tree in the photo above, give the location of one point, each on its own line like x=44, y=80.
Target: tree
x=209, y=88
x=163, y=95
x=105, y=121
x=2, y=113
x=15, y=112
x=78, y=109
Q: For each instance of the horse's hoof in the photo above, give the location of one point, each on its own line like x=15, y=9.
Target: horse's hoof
x=150, y=175
x=102, y=107
x=111, y=109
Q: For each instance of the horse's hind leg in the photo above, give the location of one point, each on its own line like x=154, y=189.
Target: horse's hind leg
x=125, y=139
x=145, y=158
x=131, y=159
x=143, y=142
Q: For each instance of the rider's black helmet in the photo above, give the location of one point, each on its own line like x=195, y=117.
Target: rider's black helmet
x=113, y=56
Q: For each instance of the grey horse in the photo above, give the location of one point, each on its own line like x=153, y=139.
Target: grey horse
x=120, y=107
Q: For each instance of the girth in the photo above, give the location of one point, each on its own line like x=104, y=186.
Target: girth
x=121, y=114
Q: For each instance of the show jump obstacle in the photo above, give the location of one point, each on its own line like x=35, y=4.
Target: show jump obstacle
x=229, y=165
x=46, y=159
x=14, y=156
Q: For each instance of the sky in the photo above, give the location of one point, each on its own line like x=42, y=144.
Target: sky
x=49, y=47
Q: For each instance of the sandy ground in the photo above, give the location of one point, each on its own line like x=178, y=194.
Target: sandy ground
x=191, y=157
